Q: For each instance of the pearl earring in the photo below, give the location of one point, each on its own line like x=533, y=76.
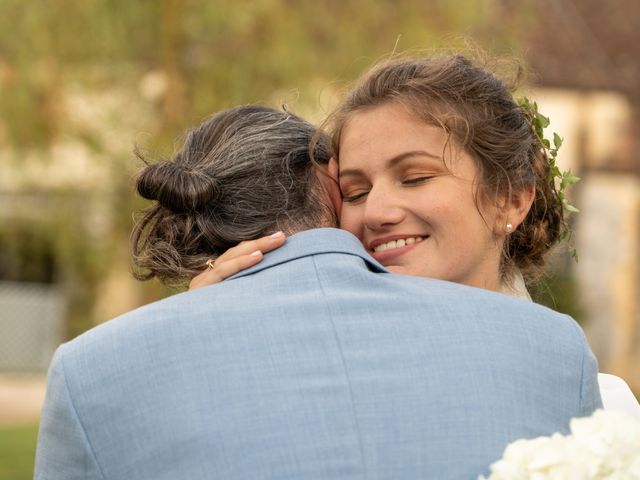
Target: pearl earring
x=508, y=227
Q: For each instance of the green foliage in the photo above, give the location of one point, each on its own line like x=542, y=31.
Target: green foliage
x=559, y=179
x=217, y=53
x=17, y=452
x=559, y=291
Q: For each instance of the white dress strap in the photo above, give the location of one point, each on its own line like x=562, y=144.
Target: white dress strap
x=516, y=287
x=616, y=395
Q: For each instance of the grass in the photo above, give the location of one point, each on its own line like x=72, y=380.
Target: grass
x=17, y=452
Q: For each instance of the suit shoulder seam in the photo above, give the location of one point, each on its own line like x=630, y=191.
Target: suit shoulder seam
x=344, y=364
x=76, y=413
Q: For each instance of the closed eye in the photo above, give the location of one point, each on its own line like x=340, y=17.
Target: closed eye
x=416, y=181
x=354, y=198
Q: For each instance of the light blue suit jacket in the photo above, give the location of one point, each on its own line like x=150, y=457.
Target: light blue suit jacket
x=314, y=364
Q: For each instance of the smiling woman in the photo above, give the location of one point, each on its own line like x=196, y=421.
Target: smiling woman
x=437, y=150
x=410, y=196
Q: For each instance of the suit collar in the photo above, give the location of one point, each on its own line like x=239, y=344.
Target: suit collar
x=313, y=242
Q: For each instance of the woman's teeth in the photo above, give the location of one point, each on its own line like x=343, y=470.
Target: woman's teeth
x=397, y=243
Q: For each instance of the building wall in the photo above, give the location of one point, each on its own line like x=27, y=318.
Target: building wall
x=607, y=229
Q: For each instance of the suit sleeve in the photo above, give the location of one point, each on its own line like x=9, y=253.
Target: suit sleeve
x=64, y=451
x=589, y=390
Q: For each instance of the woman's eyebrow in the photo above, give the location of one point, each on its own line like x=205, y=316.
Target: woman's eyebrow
x=392, y=162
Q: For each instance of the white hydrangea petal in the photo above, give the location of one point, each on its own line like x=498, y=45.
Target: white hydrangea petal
x=603, y=446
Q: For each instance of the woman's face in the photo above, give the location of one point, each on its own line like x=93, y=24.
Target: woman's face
x=409, y=196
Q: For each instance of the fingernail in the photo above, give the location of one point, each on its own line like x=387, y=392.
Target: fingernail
x=255, y=254
x=276, y=235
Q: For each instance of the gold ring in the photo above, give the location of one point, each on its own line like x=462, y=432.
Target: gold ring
x=211, y=263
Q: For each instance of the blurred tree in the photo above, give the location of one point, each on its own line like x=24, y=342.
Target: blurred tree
x=558, y=289
x=223, y=53
x=86, y=76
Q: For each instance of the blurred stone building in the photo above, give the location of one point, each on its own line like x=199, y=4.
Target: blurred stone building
x=595, y=125
x=586, y=58
x=65, y=214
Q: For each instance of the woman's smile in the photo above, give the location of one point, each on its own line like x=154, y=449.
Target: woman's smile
x=388, y=248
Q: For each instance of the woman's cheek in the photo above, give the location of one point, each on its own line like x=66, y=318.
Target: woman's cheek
x=348, y=221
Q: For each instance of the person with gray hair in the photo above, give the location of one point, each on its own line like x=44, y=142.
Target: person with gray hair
x=315, y=363
x=242, y=174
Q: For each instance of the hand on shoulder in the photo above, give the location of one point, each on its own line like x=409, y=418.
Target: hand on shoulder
x=242, y=256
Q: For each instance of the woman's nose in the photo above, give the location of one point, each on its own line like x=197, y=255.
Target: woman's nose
x=382, y=209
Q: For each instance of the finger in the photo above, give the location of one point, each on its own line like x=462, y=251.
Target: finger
x=273, y=241
x=225, y=269
x=198, y=280
x=264, y=244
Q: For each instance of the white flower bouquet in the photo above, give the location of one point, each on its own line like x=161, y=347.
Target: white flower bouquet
x=603, y=446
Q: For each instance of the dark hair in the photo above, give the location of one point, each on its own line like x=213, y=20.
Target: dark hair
x=242, y=174
x=479, y=112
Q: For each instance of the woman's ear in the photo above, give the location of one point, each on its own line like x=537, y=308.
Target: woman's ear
x=516, y=210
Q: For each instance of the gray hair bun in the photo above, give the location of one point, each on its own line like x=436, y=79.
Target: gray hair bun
x=177, y=188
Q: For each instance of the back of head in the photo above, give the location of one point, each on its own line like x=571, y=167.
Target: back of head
x=479, y=112
x=243, y=173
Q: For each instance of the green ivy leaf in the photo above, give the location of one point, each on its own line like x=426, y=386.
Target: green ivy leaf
x=558, y=179
x=571, y=208
x=557, y=141
x=570, y=178
x=542, y=120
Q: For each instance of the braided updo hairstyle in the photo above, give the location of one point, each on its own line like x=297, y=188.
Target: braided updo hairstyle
x=479, y=112
x=242, y=174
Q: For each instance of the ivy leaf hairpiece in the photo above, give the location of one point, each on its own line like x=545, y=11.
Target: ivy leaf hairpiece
x=559, y=179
